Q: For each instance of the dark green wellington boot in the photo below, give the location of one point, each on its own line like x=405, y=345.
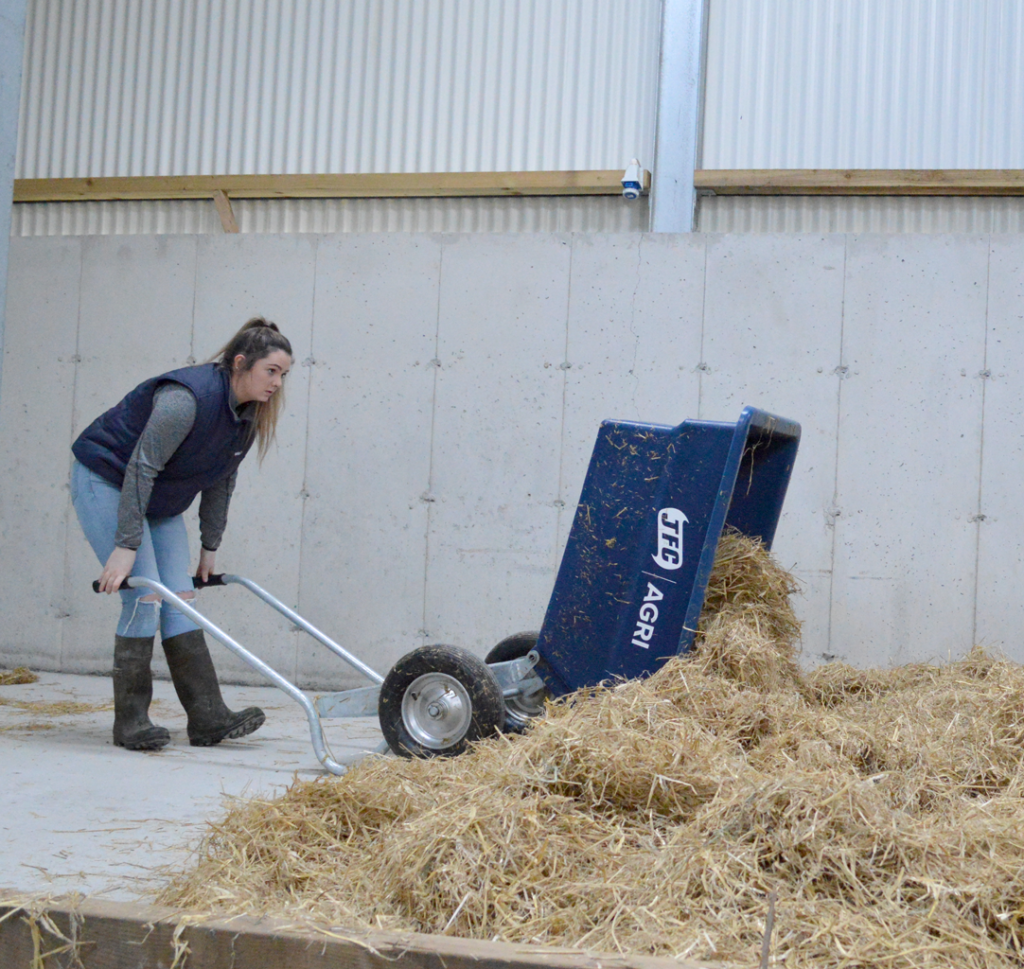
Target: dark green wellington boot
x=133, y=691
x=195, y=680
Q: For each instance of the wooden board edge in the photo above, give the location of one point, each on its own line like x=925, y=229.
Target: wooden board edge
x=413, y=185
x=839, y=182
x=864, y=181
x=102, y=931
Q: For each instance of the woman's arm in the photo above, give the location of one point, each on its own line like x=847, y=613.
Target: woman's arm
x=172, y=417
x=213, y=519
x=213, y=511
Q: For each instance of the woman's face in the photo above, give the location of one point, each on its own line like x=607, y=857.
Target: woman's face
x=264, y=379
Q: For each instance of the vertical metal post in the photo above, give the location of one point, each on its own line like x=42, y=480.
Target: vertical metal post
x=680, y=114
x=12, y=50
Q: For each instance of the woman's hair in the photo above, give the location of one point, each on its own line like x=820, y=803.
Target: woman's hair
x=257, y=339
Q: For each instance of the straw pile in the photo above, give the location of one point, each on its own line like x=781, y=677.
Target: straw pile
x=60, y=708
x=880, y=810
x=20, y=674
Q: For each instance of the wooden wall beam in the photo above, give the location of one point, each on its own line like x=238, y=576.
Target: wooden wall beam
x=224, y=210
x=860, y=181
x=417, y=185
x=809, y=181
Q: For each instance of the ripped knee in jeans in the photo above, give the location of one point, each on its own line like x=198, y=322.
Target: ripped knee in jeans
x=138, y=622
x=153, y=597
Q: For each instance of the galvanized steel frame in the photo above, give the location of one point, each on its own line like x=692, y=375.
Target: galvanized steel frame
x=680, y=114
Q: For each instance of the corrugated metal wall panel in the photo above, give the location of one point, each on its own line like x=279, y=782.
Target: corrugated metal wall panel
x=865, y=84
x=159, y=87
x=739, y=213
x=564, y=214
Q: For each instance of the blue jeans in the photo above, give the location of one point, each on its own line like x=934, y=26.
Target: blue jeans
x=162, y=556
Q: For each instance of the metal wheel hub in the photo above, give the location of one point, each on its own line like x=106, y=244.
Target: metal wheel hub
x=526, y=707
x=437, y=710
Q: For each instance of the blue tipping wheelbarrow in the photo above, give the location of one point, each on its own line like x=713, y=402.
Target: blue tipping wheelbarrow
x=627, y=597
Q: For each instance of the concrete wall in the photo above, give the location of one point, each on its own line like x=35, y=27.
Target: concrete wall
x=445, y=400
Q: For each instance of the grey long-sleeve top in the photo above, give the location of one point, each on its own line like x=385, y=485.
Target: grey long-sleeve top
x=172, y=417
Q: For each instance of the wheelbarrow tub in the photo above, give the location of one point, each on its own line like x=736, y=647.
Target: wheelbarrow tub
x=655, y=501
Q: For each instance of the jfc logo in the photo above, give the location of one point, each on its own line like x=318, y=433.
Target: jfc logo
x=670, y=538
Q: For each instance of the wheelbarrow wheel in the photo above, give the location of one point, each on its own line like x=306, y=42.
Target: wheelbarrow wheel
x=520, y=710
x=437, y=700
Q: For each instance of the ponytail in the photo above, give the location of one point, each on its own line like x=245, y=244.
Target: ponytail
x=255, y=340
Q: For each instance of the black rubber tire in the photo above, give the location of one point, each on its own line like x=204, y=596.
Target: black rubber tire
x=452, y=681
x=513, y=647
x=517, y=716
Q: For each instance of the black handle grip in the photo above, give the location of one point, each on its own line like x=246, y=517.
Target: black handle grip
x=197, y=583
x=212, y=580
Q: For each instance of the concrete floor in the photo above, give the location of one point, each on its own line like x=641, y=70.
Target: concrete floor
x=78, y=814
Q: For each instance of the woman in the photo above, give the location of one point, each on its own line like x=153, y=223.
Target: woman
x=138, y=467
